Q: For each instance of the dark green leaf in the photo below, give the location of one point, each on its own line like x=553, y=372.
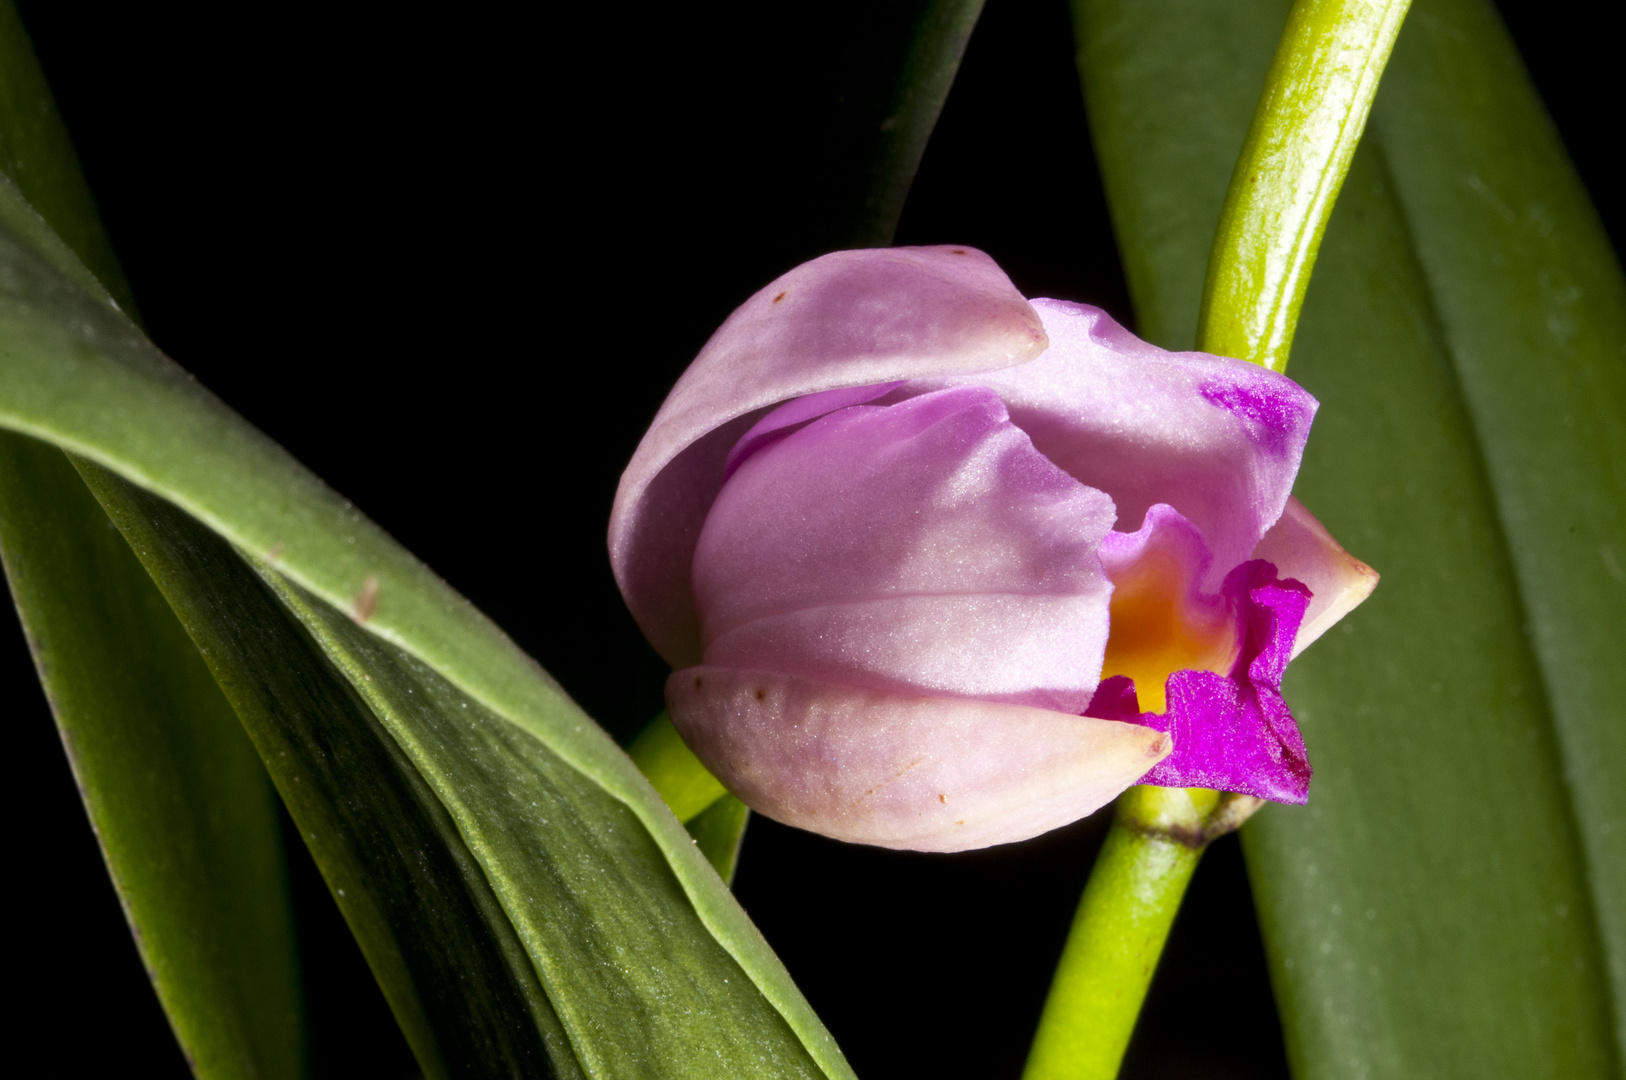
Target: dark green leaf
x=1533, y=306
x=74, y=370
x=913, y=103
x=182, y=809
x=180, y=802
x=457, y=980
x=1428, y=913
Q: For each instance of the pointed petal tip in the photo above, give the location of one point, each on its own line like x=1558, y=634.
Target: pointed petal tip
x=1302, y=549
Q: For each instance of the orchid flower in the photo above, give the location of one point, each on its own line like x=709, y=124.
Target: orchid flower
x=938, y=567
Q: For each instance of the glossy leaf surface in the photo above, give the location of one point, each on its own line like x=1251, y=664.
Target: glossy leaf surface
x=423, y=913
x=78, y=372
x=140, y=418
x=1429, y=912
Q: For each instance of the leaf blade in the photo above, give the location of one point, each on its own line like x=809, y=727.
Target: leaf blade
x=75, y=372
x=1393, y=470
x=1532, y=302
x=181, y=805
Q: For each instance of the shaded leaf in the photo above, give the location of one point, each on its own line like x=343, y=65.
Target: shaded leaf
x=179, y=800
x=181, y=806
x=1428, y=913
x=75, y=371
x=1532, y=303
x=461, y=987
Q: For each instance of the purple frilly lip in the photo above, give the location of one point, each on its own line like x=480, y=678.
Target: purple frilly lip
x=1232, y=732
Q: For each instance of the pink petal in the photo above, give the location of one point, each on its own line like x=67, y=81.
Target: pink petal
x=1232, y=732
x=778, y=423
x=1218, y=439
x=919, y=547
x=1302, y=549
x=898, y=770
x=851, y=318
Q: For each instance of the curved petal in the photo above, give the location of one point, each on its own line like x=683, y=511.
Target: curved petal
x=1218, y=439
x=1302, y=549
x=851, y=318
x=900, y=771
x=919, y=547
x=778, y=423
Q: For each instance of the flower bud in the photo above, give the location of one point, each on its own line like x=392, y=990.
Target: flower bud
x=922, y=552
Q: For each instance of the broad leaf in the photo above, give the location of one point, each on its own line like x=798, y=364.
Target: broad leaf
x=76, y=372
x=489, y=846
x=416, y=899
x=1532, y=303
x=1428, y=913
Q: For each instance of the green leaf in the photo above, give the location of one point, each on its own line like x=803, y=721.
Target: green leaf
x=1429, y=912
x=37, y=155
x=718, y=831
x=916, y=100
x=73, y=370
x=180, y=803
x=482, y=789
x=415, y=898
x=1533, y=306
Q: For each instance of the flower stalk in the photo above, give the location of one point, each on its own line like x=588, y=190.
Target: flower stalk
x=1158, y=835
x=1297, y=152
x=1293, y=162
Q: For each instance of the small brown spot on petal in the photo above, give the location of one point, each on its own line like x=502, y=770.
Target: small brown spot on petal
x=762, y=695
x=778, y=298
x=366, y=601
x=697, y=682
x=957, y=251
x=943, y=799
x=959, y=823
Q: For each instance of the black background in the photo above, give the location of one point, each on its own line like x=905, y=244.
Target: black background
x=453, y=260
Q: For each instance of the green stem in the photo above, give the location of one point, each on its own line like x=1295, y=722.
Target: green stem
x=1134, y=893
x=1293, y=162
x=672, y=769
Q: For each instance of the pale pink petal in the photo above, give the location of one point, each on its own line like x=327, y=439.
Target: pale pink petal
x=851, y=318
x=919, y=547
x=903, y=771
x=1301, y=548
x=779, y=423
x=1219, y=440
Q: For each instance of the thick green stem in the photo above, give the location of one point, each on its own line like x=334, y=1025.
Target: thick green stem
x=673, y=770
x=1134, y=893
x=1297, y=152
